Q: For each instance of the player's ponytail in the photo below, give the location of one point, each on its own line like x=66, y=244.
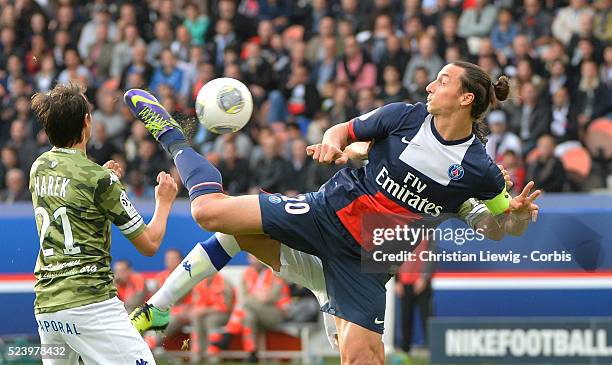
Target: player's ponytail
x=486, y=94
x=501, y=88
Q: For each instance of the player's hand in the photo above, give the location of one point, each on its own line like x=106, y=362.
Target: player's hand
x=522, y=205
x=166, y=189
x=325, y=153
x=114, y=167
x=506, y=174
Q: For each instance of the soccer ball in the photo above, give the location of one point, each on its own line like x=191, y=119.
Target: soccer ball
x=224, y=105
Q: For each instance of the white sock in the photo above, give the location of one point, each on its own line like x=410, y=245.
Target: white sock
x=204, y=260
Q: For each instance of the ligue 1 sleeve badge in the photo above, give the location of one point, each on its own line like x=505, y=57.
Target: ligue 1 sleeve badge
x=455, y=171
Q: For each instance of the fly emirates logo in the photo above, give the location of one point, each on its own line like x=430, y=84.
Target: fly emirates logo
x=408, y=191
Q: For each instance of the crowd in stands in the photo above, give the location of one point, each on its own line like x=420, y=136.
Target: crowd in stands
x=309, y=64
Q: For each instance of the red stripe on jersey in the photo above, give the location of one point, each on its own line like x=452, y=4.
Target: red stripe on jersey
x=369, y=212
x=351, y=131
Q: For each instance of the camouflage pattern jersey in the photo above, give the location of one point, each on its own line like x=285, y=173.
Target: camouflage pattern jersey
x=75, y=201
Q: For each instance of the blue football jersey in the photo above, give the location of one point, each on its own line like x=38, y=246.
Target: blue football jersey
x=412, y=171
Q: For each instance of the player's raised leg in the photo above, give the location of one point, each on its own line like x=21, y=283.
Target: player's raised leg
x=213, y=210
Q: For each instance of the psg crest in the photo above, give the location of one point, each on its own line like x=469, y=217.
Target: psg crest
x=455, y=171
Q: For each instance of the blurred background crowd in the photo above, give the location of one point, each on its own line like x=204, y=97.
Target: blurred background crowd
x=309, y=64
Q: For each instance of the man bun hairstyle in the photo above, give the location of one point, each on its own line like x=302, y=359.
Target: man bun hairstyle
x=487, y=94
x=62, y=113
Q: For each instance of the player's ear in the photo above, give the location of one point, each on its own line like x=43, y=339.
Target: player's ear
x=467, y=99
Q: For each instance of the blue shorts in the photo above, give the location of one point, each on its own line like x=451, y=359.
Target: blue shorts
x=305, y=223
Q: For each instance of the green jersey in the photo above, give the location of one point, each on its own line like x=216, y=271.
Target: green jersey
x=75, y=201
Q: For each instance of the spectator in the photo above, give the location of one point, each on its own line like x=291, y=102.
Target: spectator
x=23, y=143
x=137, y=65
x=45, y=78
x=448, y=36
x=99, y=55
x=383, y=29
x=299, y=167
x=257, y=72
x=195, y=22
x=504, y=31
x=75, y=71
x=123, y=51
x=138, y=189
x=38, y=50
x=427, y=58
x=9, y=160
x=531, y=118
x=16, y=189
x=342, y=109
x=109, y=115
x=392, y=91
x=601, y=23
x=606, y=69
x=235, y=171
x=167, y=13
x=413, y=31
x=501, y=140
x=350, y=12
x=535, y=23
x=418, y=87
x=89, y=33
x=565, y=23
x=100, y=149
x=213, y=302
x=591, y=48
x=61, y=42
x=278, y=11
x=316, y=128
x=513, y=164
x=168, y=73
x=65, y=21
x=325, y=69
x=315, y=51
x=42, y=143
x=355, y=67
x=149, y=161
x=301, y=95
x=163, y=40
x=394, y=56
x=182, y=45
x=592, y=100
x=131, y=288
x=564, y=124
x=558, y=78
x=546, y=171
x=414, y=290
x=365, y=101
x=264, y=303
x=243, y=26
x=271, y=171
x=8, y=46
x=224, y=38
x=476, y=23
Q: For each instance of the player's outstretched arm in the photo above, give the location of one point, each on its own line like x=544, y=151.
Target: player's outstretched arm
x=148, y=242
x=334, y=141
